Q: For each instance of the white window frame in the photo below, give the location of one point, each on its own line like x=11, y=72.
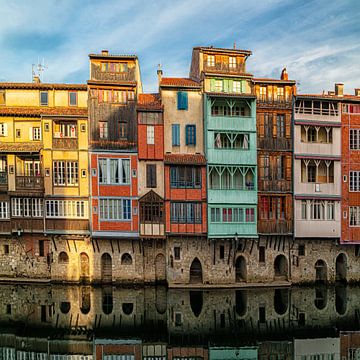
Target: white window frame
x=36, y=133
x=66, y=209
x=354, y=182
x=219, y=85
x=150, y=134
x=103, y=129
x=119, y=209
x=210, y=60
x=236, y=86
x=232, y=62
x=123, y=165
x=354, y=139
x=65, y=173
x=4, y=210
x=3, y=129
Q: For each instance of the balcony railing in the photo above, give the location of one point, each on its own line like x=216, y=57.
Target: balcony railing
x=272, y=143
x=316, y=111
x=97, y=74
x=3, y=178
x=264, y=99
x=274, y=185
x=65, y=143
x=30, y=183
x=270, y=226
x=224, y=68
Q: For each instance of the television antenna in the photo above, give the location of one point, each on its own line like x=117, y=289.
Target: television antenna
x=38, y=69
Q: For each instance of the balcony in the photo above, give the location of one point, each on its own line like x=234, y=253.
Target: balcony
x=233, y=196
x=5, y=227
x=281, y=185
x=29, y=183
x=224, y=68
x=278, y=101
x=316, y=112
x=229, y=230
x=274, y=144
x=65, y=143
x=27, y=225
x=67, y=226
x=152, y=229
x=231, y=123
x=98, y=75
x=275, y=226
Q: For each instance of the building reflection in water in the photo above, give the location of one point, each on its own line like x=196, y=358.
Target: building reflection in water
x=56, y=322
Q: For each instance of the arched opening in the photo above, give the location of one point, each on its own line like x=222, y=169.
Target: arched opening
x=341, y=267
x=107, y=300
x=196, y=302
x=241, y=302
x=85, y=304
x=281, y=267
x=320, y=271
x=63, y=258
x=161, y=299
x=320, y=297
x=106, y=268
x=281, y=301
x=196, y=272
x=240, y=269
x=84, y=267
x=65, y=307
x=160, y=268
x=340, y=300
x=127, y=308
x=126, y=259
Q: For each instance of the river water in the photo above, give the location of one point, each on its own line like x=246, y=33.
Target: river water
x=58, y=322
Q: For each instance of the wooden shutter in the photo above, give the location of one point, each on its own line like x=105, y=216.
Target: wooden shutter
x=187, y=135
x=288, y=167
x=176, y=134
x=261, y=167
x=274, y=118
x=288, y=125
x=31, y=133
x=150, y=175
x=260, y=121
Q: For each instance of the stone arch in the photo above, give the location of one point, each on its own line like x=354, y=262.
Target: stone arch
x=241, y=302
x=341, y=267
x=160, y=268
x=196, y=302
x=281, y=301
x=340, y=300
x=106, y=268
x=196, y=276
x=127, y=308
x=240, y=269
x=63, y=258
x=320, y=271
x=84, y=266
x=281, y=267
x=321, y=297
x=126, y=259
x=161, y=299
x=85, y=303
x=65, y=307
x=107, y=300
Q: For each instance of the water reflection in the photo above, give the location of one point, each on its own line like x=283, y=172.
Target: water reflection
x=49, y=322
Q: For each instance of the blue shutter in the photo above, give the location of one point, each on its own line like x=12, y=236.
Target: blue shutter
x=187, y=135
x=185, y=100
x=182, y=100
x=194, y=129
x=179, y=100
x=176, y=134
x=173, y=177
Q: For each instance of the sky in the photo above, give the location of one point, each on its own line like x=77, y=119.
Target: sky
x=317, y=40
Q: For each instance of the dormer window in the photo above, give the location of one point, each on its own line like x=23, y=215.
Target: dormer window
x=211, y=60
x=232, y=62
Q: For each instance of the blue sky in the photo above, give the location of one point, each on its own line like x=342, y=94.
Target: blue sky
x=318, y=41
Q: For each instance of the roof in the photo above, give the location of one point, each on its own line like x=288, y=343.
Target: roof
x=149, y=102
x=179, y=82
x=20, y=147
x=329, y=97
x=273, y=81
x=41, y=86
x=223, y=50
x=121, y=83
x=185, y=159
x=31, y=111
x=113, y=56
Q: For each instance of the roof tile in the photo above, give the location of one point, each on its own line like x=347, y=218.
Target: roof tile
x=44, y=86
x=185, y=159
x=38, y=111
x=179, y=82
x=16, y=147
x=149, y=102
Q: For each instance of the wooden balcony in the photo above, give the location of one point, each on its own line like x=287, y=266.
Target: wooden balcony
x=65, y=143
x=272, y=226
x=224, y=68
x=5, y=227
x=273, y=144
x=29, y=183
x=274, y=185
x=152, y=229
x=98, y=75
x=27, y=225
x=279, y=101
x=64, y=226
x=3, y=181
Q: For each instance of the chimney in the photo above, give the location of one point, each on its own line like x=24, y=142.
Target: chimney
x=331, y=92
x=36, y=79
x=159, y=73
x=105, y=52
x=284, y=74
x=357, y=92
x=339, y=89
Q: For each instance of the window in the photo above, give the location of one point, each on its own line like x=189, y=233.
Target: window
x=41, y=248
x=262, y=254
x=222, y=252
x=65, y=130
x=73, y=98
x=231, y=178
x=44, y=98
x=190, y=132
x=182, y=100
x=311, y=173
x=231, y=140
x=36, y=133
x=185, y=213
x=72, y=209
x=354, y=216
x=280, y=128
x=65, y=173
x=301, y=250
x=6, y=249
x=63, y=258
x=330, y=210
x=354, y=139
x=354, y=180
x=123, y=130
x=175, y=134
x=234, y=215
x=103, y=129
x=126, y=259
x=304, y=210
x=263, y=93
x=317, y=210
x=3, y=129
x=114, y=171
x=115, y=209
x=185, y=177
x=177, y=252
x=280, y=164
x=2, y=97
x=4, y=210
x=312, y=134
x=150, y=140
x=280, y=94
x=151, y=176
x=26, y=207
x=211, y=60
x=218, y=85
x=232, y=62
x=18, y=133
x=237, y=86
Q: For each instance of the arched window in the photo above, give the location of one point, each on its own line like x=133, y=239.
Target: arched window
x=63, y=258
x=65, y=307
x=126, y=259
x=127, y=308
